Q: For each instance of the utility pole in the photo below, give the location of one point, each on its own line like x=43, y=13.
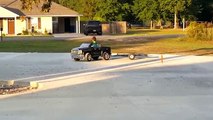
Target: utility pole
x=184, y=24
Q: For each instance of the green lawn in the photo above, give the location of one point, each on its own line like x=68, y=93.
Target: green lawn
x=142, y=32
x=167, y=46
x=38, y=46
x=148, y=46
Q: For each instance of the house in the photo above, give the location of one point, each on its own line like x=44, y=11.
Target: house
x=14, y=20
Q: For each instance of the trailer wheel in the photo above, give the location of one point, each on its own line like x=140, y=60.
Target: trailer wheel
x=131, y=56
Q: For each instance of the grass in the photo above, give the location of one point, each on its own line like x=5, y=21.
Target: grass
x=142, y=32
x=148, y=46
x=167, y=46
x=37, y=46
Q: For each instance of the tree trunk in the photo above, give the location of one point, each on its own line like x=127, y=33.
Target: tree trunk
x=175, y=20
x=160, y=24
x=184, y=25
x=151, y=24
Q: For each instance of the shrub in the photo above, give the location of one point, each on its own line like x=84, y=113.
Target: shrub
x=3, y=35
x=45, y=31
x=200, y=31
x=25, y=32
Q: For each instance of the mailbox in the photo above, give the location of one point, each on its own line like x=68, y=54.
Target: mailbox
x=1, y=29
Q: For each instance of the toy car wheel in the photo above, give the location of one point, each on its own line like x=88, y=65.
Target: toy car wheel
x=106, y=56
x=131, y=56
x=76, y=59
x=88, y=57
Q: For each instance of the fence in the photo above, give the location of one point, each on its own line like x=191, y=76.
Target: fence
x=118, y=27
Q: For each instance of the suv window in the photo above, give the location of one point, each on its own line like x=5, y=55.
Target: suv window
x=94, y=23
x=85, y=45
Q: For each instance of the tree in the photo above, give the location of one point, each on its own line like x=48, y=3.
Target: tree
x=90, y=8
x=202, y=9
x=147, y=10
x=109, y=10
x=127, y=12
x=73, y=4
x=28, y=4
x=46, y=6
x=104, y=10
x=175, y=7
x=86, y=7
x=143, y=10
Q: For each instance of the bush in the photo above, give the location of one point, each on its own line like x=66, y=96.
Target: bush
x=200, y=31
x=3, y=35
x=45, y=32
x=25, y=32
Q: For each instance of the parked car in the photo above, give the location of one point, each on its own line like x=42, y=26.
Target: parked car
x=87, y=52
x=93, y=27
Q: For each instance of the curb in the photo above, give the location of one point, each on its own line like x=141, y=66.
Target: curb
x=11, y=86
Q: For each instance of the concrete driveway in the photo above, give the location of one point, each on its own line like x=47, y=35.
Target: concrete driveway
x=180, y=88
x=37, y=66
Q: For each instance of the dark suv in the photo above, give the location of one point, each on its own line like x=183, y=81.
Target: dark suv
x=93, y=27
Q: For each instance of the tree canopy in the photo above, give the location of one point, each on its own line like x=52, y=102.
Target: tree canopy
x=28, y=4
x=146, y=9
x=134, y=10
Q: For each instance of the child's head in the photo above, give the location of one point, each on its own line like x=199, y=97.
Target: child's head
x=94, y=38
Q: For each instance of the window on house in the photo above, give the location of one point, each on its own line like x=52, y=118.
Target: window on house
x=39, y=23
x=29, y=23
x=1, y=23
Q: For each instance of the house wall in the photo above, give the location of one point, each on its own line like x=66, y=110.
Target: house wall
x=20, y=25
x=6, y=13
x=5, y=26
x=46, y=23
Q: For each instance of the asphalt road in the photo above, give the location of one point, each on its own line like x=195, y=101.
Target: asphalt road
x=180, y=88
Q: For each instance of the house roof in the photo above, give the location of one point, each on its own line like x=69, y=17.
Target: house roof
x=55, y=10
x=7, y=13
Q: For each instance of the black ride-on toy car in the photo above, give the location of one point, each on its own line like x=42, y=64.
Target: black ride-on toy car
x=87, y=52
